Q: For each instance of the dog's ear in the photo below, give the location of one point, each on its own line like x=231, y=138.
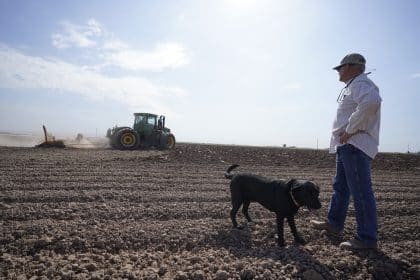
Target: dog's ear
x=316, y=187
x=294, y=184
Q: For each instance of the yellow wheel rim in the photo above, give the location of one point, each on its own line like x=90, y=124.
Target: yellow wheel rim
x=127, y=139
x=171, y=142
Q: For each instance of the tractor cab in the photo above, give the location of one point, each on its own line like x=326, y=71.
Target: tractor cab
x=145, y=123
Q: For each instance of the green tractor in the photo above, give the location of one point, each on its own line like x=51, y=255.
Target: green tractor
x=148, y=131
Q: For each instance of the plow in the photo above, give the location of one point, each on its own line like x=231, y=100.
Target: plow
x=49, y=141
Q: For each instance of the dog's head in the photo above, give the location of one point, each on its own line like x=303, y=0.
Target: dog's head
x=306, y=193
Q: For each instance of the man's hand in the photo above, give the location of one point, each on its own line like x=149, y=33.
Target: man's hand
x=344, y=137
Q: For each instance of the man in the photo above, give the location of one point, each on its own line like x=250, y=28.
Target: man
x=355, y=140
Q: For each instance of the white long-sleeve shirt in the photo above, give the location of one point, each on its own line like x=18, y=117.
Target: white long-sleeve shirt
x=359, y=112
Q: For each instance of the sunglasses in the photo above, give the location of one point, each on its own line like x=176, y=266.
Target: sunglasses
x=350, y=64
x=339, y=68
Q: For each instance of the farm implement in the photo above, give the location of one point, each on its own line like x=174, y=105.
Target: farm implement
x=50, y=141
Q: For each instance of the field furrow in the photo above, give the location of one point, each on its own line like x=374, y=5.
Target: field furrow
x=106, y=214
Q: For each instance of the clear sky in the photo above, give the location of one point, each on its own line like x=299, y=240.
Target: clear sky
x=247, y=72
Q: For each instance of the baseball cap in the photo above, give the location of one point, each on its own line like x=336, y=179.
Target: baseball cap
x=353, y=58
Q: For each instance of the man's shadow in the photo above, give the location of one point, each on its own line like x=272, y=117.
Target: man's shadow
x=383, y=266
x=379, y=264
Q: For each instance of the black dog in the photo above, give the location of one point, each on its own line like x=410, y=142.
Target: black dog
x=280, y=197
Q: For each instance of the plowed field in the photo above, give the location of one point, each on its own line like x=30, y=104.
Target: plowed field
x=106, y=214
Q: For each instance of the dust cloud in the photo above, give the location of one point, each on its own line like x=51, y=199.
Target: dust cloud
x=87, y=143
x=27, y=140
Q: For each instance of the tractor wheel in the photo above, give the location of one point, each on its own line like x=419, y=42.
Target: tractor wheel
x=127, y=139
x=170, y=142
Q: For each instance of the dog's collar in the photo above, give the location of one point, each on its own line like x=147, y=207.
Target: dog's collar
x=293, y=198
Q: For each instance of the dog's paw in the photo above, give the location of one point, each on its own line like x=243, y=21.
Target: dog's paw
x=280, y=243
x=300, y=241
x=239, y=227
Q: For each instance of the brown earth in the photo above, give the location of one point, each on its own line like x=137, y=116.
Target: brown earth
x=106, y=214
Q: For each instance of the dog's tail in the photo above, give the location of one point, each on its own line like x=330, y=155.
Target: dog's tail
x=227, y=173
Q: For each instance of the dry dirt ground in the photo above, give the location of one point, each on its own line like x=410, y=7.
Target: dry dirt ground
x=106, y=214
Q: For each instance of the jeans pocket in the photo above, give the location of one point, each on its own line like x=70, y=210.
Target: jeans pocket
x=359, y=153
x=355, y=150
x=346, y=148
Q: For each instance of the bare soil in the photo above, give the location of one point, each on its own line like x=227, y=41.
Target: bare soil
x=106, y=214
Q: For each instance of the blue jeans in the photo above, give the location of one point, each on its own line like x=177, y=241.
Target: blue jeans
x=353, y=169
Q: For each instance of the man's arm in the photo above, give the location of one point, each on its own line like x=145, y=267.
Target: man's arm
x=368, y=100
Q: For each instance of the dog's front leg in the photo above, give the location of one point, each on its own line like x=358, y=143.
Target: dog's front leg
x=280, y=229
x=296, y=235
x=233, y=217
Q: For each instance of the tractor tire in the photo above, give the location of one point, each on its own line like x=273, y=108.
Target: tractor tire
x=170, y=142
x=127, y=139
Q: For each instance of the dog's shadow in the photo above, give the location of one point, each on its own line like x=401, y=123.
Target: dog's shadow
x=384, y=267
x=233, y=238
x=242, y=243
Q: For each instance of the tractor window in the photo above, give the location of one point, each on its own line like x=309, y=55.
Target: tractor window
x=140, y=119
x=151, y=120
